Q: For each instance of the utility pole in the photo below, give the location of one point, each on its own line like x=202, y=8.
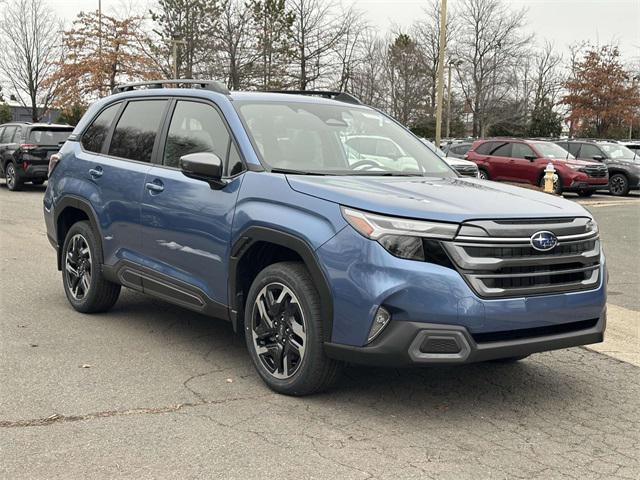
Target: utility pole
x=440, y=92
x=100, y=32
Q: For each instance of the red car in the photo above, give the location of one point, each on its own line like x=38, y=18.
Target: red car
x=524, y=161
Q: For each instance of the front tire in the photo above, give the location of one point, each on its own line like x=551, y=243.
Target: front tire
x=86, y=288
x=13, y=178
x=483, y=174
x=619, y=185
x=284, y=331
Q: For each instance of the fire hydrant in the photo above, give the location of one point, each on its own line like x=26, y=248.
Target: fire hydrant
x=549, y=178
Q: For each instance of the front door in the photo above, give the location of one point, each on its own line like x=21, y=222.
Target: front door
x=186, y=222
x=524, y=169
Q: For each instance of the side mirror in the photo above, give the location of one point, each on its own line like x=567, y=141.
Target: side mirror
x=206, y=166
x=598, y=158
x=530, y=157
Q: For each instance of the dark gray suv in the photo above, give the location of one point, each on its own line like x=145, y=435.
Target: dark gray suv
x=623, y=163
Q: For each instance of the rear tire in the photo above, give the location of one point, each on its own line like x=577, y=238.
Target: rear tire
x=619, y=185
x=284, y=331
x=84, y=284
x=13, y=178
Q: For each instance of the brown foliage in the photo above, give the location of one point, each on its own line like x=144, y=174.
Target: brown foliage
x=92, y=68
x=600, y=94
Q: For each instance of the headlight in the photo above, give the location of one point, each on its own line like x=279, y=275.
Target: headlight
x=592, y=226
x=573, y=167
x=404, y=238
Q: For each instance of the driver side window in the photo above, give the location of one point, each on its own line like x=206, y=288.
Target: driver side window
x=195, y=128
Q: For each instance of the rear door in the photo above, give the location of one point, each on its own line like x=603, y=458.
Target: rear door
x=40, y=143
x=116, y=154
x=499, y=161
x=186, y=222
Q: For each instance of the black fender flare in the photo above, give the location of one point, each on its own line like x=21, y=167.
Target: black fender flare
x=73, y=201
x=256, y=234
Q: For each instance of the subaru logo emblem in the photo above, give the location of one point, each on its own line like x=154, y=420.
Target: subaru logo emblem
x=543, y=241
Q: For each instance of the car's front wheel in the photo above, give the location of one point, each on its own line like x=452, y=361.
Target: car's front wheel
x=619, y=185
x=283, y=331
x=483, y=174
x=84, y=284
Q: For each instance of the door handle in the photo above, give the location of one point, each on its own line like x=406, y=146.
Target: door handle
x=96, y=172
x=154, y=187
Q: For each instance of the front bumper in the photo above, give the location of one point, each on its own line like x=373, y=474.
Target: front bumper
x=408, y=343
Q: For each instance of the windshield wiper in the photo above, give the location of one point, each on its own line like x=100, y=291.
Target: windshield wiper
x=384, y=174
x=295, y=172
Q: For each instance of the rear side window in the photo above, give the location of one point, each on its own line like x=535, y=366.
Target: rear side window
x=96, y=134
x=137, y=129
x=195, y=127
x=485, y=148
x=48, y=136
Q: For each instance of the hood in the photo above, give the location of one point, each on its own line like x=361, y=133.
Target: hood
x=443, y=199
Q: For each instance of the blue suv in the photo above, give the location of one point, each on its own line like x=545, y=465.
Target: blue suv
x=257, y=208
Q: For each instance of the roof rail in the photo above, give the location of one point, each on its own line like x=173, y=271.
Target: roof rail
x=339, y=96
x=175, y=83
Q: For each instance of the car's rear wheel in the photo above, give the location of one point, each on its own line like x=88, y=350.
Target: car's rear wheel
x=283, y=331
x=12, y=177
x=483, y=174
x=86, y=288
x=619, y=184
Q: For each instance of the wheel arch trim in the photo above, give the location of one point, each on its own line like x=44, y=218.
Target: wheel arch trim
x=79, y=203
x=256, y=234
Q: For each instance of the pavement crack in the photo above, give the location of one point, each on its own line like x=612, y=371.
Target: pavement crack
x=58, y=418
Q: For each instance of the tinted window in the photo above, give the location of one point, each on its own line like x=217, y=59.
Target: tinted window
x=235, y=162
x=49, y=136
x=136, y=131
x=195, y=128
x=503, y=150
x=95, y=135
x=485, y=148
x=589, y=151
x=573, y=149
x=521, y=150
x=461, y=149
x=7, y=134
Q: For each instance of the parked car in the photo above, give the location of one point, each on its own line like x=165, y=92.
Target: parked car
x=25, y=149
x=244, y=206
x=622, y=163
x=524, y=161
x=457, y=150
x=463, y=167
x=634, y=146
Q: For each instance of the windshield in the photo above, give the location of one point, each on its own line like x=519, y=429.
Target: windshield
x=335, y=140
x=617, y=151
x=551, y=150
x=49, y=136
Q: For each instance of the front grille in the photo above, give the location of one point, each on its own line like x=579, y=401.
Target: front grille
x=467, y=170
x=595, y=171
x=499, y=261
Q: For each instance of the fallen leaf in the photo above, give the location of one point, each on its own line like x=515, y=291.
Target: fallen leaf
x=86, y=365
x=229, y=380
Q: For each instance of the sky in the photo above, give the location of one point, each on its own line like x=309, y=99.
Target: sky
x=563, y=22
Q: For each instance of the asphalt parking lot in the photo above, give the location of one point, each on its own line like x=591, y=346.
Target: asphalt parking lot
x=152, y=391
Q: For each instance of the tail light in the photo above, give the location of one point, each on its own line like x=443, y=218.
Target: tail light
x=53, y=162
x=25, y=165
x=28, y=146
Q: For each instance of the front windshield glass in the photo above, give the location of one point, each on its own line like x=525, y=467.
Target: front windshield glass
x=335, y=140
x=551, y=150
x=617, y=151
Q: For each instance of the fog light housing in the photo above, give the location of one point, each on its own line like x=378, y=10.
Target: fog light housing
x=380, y=320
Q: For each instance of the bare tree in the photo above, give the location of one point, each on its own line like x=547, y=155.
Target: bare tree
x=368, y=79
x=31, y=48
x=234, y=41
x=490, y=41
x=318, y=27
x=549, y=78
